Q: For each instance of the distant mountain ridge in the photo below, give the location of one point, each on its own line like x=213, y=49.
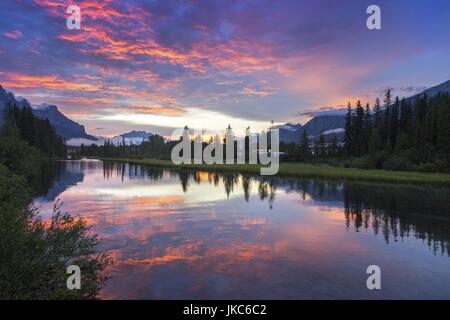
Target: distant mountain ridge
x=63, y=126
x=136, y=134
x=430, y=92
x=321, y=124
x=289, y=132
x=134, y=137
x=330, y=124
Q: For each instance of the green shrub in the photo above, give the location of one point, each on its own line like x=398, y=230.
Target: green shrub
x=398, y=163
x=379, y=158
x=18, y=156
x=35, y=255
x=366, y=162
x=435, y=166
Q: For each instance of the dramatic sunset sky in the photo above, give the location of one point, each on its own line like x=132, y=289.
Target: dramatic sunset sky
x=159, y=65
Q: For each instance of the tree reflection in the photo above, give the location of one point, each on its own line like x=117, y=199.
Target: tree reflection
x=400, y=212
x=394, y=212
x=246, y=186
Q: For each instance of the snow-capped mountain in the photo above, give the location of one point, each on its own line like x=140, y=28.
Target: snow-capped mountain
x=136, y=135
x=132, y=137
x=321, y=124
x=129, y=138
x=328, y=125
x=289, y=132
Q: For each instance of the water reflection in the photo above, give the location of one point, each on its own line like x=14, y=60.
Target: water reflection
x=190, y=234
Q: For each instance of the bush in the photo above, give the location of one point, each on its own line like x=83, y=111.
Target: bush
x=334, y=162
x=398, y=163
x=35, y=255
x=18, y=156
x=13, y=189
x=435, y=166
x=379, y=158
x=366, y=162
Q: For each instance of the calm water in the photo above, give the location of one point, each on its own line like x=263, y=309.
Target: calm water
x=188, y=235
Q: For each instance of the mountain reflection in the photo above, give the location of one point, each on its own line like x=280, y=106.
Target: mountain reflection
x=181, y=234
x=56, y=177
x=393, y=212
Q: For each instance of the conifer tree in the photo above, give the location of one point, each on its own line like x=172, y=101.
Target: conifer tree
x=348, y=138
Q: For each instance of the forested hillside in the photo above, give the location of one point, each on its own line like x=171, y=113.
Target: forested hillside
x=401, y=135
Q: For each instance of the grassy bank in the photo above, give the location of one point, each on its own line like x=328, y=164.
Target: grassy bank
x=311, y=171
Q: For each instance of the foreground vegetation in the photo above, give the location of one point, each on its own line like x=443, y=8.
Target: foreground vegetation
x=35, y=253
x=310, y=171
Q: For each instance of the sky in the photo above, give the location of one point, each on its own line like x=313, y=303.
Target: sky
x=161, y=65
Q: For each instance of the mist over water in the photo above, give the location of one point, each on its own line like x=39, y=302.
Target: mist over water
x=178, y=234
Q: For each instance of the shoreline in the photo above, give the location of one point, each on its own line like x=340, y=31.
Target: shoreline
x=303, y=170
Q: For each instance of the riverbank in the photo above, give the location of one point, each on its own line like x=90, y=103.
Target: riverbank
x=303, y=170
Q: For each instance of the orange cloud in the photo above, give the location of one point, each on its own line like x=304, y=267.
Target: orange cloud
x=255, y=92
x=158, y=110
x=21, y=81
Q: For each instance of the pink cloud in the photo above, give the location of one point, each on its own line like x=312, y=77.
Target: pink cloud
x=16, y=34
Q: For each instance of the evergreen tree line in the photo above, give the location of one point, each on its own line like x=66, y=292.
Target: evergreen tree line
x=309, y=150
x=407, y=134
x=154, y=147
x=35, y=131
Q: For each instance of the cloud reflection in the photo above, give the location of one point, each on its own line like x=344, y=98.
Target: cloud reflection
x=188, y=234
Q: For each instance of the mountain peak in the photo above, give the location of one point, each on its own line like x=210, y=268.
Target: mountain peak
x=327, y=124
x=63, y=126
x=136, y=134
x=45, y=106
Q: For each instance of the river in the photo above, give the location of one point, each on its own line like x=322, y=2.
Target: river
x=177, y=234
